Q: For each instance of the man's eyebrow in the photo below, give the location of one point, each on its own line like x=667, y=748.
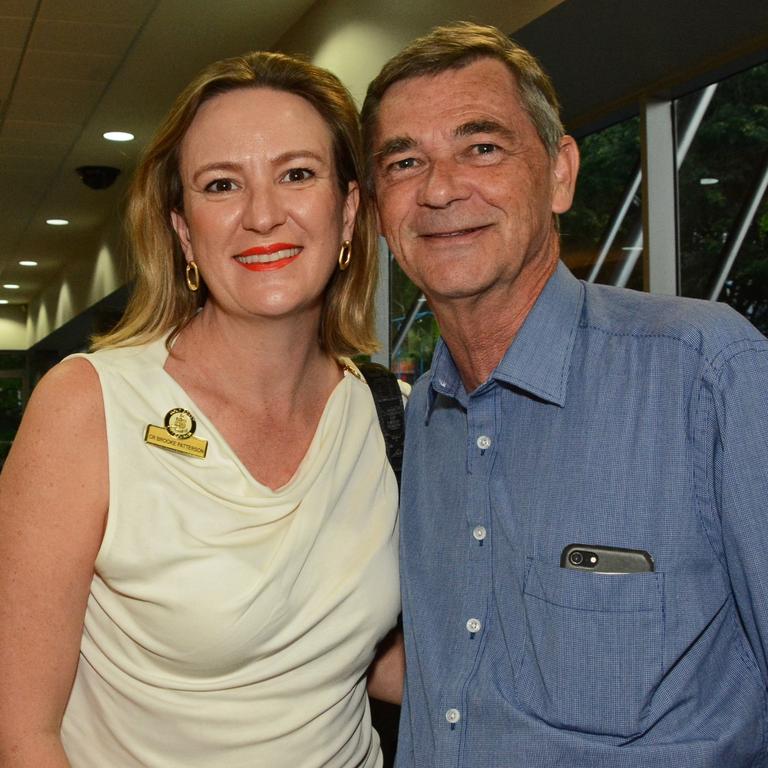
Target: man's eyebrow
x=393, y=146
x=484, y=126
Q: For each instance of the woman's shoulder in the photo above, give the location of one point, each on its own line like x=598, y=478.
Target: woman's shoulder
x=63, y=437
x=405, y=390
x=123, y=358
x=69, y=394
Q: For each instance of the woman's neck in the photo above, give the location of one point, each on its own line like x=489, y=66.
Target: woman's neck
x=254, y=357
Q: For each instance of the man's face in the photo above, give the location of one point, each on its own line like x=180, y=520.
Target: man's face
x=464, y=186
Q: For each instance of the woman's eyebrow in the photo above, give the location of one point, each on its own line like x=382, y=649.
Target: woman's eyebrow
x=298, y=154
x=219, y=165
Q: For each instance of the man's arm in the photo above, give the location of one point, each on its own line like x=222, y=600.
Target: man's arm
x=740, y=486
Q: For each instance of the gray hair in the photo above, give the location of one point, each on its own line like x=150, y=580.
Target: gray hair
x=454, y=46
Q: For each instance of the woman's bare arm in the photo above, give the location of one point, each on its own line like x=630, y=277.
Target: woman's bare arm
x=53, y=500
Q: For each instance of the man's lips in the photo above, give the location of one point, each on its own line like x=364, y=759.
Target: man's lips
x=270, y=256
x=450, y=233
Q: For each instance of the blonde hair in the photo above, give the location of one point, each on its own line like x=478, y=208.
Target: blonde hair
x=454, y=46
x=161, y=303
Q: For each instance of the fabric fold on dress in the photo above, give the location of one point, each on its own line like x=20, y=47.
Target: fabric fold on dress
x=230, y=624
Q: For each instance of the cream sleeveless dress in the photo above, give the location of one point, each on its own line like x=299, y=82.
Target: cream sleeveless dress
x=229, y=625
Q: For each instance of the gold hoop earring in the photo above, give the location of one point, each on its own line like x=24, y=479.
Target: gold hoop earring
x=192, y=276
x=345, y=255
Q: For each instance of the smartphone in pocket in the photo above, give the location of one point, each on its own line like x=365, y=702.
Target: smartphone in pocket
x=605, y=560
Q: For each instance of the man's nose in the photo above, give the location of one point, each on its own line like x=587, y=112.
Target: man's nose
x=442, y=184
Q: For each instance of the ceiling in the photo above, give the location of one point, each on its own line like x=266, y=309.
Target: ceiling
x=69, y=71
x=72, y=69
x=605, y=56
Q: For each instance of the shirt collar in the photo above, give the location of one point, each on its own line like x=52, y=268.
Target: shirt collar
x=538, y=359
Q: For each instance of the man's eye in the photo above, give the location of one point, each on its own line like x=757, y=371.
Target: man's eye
x=220, y=185
x=402, y=165
x=298, y=174
x=484, y=149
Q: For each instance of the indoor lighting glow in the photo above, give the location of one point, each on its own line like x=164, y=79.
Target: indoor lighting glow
x=27, y=263
x=57, y=222
x=10, y=286
x=118, y=136
x=3, y=301
x=706, y=182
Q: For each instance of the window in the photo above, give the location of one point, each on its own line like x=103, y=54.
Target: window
x=723, y=205
x=602, y=233
x=721, y=248
x=414, y=330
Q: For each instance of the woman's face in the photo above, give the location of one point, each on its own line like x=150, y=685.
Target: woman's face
x=263, y=216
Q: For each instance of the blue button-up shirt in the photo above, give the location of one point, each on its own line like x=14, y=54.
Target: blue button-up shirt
x=614, y=419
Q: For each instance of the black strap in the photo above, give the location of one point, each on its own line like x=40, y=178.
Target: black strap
x=389, y=407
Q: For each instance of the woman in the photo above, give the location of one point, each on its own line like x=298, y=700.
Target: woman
x=198, y=522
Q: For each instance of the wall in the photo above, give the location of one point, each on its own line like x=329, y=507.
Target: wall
x=99, y=272
x=353, y=39
x=13, y=326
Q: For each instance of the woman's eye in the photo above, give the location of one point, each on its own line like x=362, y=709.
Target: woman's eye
x=220, y=185
x=298, y=174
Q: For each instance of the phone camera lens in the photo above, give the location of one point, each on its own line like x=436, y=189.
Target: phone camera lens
x=576, y=558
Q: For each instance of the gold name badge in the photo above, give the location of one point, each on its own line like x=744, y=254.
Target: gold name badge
x=177, y=434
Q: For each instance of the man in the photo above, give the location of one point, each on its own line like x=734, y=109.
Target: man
x=555, y=414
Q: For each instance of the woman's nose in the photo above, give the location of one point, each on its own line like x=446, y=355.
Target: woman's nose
x=264, y=210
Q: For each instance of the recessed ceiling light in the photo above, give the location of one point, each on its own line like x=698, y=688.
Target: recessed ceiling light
x=707, y=182
x=10, y=286
x=57, y=222
x=27, y=263
x=118, y=136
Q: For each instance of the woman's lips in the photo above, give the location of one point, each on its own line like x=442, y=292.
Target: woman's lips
x=266, y=257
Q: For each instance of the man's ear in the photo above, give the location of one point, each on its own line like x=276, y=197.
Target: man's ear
x=351, y=204
x=179, y=224
x=564, y=172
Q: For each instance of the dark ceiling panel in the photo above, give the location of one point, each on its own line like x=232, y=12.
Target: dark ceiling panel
x=604, y=55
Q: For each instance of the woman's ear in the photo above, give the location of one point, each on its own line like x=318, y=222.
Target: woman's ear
x=179, y=224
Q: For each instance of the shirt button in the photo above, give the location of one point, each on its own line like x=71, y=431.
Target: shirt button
x=474, y=625
x=479, y=532
x=453, y=716
x=483, y=442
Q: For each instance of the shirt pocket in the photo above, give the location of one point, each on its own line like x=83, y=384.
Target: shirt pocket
x=593, y=648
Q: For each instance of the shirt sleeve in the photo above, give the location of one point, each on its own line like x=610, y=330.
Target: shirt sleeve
x=740, y=486
x=404, y=757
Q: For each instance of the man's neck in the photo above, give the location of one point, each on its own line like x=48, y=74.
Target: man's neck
x=478, y=331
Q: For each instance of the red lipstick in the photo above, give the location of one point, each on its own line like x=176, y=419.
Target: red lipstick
x=272, y=256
